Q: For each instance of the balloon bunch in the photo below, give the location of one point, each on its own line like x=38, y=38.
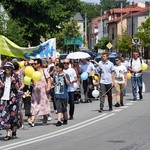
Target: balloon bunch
x=144, y=66
x=31, y=74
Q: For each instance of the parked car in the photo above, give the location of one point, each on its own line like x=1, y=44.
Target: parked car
x=62, y=57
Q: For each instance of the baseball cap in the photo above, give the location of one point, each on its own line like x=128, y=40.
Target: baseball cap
x=8, y=64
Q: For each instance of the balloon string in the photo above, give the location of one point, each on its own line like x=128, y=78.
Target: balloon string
x=106, y=92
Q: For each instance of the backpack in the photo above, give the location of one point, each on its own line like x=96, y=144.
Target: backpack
x=132, y=60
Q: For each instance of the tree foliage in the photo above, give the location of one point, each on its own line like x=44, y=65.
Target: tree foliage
x=144, y=34
x=109, y=4
x=102, y=43
x=40, y=17
x=11, y=29
x=124, y=43
x=92, y=10
x=67, y=30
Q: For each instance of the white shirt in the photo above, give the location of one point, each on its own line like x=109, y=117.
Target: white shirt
x=136, y=65
x=6, y=94
x=106, y=69
x=72, y=74
x=120, y=72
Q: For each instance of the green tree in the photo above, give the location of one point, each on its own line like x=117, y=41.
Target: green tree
x=109, y=4
x=102, y=43
x=124, y=43
x=40, y=17
x=11, y=29
x=92, y=10
x=143, y=34
x=67, y=30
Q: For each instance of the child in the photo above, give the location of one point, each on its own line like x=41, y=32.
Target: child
x=61, y=81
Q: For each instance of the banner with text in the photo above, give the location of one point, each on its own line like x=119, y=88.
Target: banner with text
x=44, y=50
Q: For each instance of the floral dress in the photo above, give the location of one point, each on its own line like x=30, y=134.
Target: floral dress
x=40, y=103
x=9, y=109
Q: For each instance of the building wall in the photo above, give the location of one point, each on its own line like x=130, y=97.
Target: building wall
x=112, y=32
x=102, y=29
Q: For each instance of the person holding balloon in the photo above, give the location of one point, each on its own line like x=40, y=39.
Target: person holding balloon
x=106, y=80
x=27, y=89
x=40, y=104
x=86, y=69
x=135, y=67
x=120, y=81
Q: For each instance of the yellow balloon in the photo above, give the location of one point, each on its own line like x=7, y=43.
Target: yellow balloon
x=37, y=76
x=144, y=66
x=128, y=75
x=29, y=70
x=27, y=80
x=96, y=78
x=57, y=54
x=21, y=64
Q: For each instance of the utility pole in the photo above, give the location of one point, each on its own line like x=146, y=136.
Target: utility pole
x=85, y=31
x=121, y=22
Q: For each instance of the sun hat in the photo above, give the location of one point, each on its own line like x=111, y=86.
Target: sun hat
x=8, y=64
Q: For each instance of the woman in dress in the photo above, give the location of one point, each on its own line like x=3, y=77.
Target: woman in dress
x=40, y=104
x=9, y=101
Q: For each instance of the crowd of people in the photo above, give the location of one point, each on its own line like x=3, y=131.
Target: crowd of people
x=61, y=85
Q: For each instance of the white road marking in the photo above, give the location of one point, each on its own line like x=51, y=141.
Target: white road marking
x=57, y=133
x=129, y=104
x=65, y=130
x=124, y=106
x=117, y=110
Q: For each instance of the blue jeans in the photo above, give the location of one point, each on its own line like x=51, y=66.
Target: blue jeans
x=136, y=81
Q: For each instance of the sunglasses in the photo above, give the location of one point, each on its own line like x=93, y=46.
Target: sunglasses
x=116, y=60
x=8, y=68
x=35, y=63
x=66, y=63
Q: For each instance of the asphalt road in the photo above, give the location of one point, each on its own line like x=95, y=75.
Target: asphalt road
x=125, y=128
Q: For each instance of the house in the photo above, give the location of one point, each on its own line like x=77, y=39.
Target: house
x=93, y=32
x=115, y=21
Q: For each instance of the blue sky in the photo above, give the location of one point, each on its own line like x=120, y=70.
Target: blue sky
x=97, y=1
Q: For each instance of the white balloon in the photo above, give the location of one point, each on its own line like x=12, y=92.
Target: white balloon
x=95, y=93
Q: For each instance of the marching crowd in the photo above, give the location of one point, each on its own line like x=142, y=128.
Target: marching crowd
x=61, y=85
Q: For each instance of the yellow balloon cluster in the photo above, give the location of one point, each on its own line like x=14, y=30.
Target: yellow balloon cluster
x=21, y=64
x=95, y=78
x=27, y=80
x=31, y=74
x=36, y=76
x=29, y=70
x=144, y=66
x=128, y=75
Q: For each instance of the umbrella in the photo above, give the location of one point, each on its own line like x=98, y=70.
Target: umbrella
x=78, y=55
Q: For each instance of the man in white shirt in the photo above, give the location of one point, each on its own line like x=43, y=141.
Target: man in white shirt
x=71, y=90
x=134, y=67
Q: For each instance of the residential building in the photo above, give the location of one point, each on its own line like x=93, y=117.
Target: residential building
x=117, y=20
